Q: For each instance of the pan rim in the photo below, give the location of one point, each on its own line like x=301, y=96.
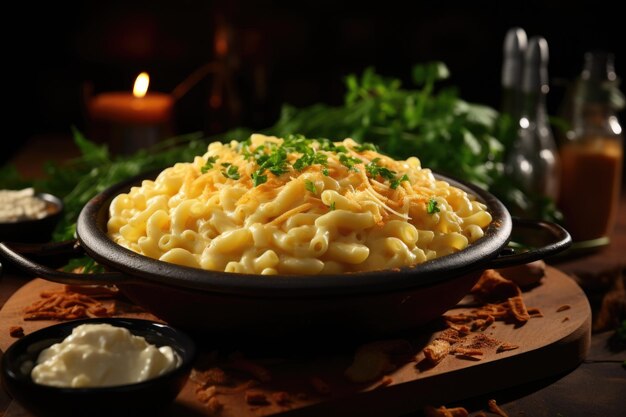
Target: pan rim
x=91, y=234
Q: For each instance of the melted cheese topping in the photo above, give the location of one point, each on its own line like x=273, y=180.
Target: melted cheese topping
x=296, y=206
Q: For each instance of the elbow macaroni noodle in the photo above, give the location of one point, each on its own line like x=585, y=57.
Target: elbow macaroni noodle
x=348, y=209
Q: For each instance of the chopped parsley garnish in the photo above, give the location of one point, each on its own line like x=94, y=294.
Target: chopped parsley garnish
x=349, y=161
x=329, y=146
x=310, y=158
x=209, y=164
x=231, y=172
x=396, y=182
x=310, y=186
x=297, y=143
x=332, y=206
x=273, y=157
x=431, y=207
x=374, y=170
x=365, y=147
x=258, y=178
x=275, y=162
x=258, y=152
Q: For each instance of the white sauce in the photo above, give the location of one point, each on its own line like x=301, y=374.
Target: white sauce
x=21, y=205
x=102, y=355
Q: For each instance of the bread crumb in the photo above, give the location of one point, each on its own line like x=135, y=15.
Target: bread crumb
x=495, y=408
x=16, y=331
x=437, y=350
x=506, y=347
x=442, y=411
x=493, y=287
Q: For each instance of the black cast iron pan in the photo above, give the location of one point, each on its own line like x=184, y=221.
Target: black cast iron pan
x=376, y=302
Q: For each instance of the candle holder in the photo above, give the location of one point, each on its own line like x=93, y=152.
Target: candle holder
x=128, y=122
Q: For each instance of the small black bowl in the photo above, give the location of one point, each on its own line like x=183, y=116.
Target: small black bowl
x=34, y=230
x=150, y=397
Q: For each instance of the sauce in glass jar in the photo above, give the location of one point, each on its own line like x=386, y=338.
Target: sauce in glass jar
x=592, y=154
x=591, y=172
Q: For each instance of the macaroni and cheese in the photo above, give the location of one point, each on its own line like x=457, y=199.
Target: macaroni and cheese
x=296, y=206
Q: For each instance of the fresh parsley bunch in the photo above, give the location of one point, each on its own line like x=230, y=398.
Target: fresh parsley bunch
x=449, y=135
x=446, y=133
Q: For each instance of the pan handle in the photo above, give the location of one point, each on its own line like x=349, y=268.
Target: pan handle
x=549, y=239
x=14, y=253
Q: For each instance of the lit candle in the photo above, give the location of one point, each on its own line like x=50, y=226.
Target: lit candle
x=130, y=121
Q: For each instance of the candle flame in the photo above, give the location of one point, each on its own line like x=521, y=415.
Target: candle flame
x=141, y=85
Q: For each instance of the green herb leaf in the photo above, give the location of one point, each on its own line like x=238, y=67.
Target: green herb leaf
x=396, y=181
x=309, y=159
x=376, y=170
x=258, y=178
x=430, y=72
x=310, y=186
x=297, y=143
x=92, y=152
x=87, y=264
x=332, y=206
x=365, y=147
x=431, y=207
x=372, y=167
x=275, y=162
x=329, y=146
x=209, y=164
x=349, y=161
x=232, y=172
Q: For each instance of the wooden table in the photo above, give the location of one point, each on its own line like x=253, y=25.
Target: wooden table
x=595, y=388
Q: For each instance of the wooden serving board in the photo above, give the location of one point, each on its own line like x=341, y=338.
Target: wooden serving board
x=548, y=346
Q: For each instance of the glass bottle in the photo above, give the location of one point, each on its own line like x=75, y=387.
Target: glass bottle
x=592, y=153
x=533, y=162
x=513, y=51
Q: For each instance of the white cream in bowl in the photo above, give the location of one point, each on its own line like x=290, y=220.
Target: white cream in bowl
x=102, y=355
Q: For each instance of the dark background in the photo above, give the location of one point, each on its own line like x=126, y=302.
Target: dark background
x=277, y=52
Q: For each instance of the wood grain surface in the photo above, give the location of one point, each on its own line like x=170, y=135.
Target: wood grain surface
x=548, y=346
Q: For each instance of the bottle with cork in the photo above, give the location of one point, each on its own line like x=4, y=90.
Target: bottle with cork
x=592, y=153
